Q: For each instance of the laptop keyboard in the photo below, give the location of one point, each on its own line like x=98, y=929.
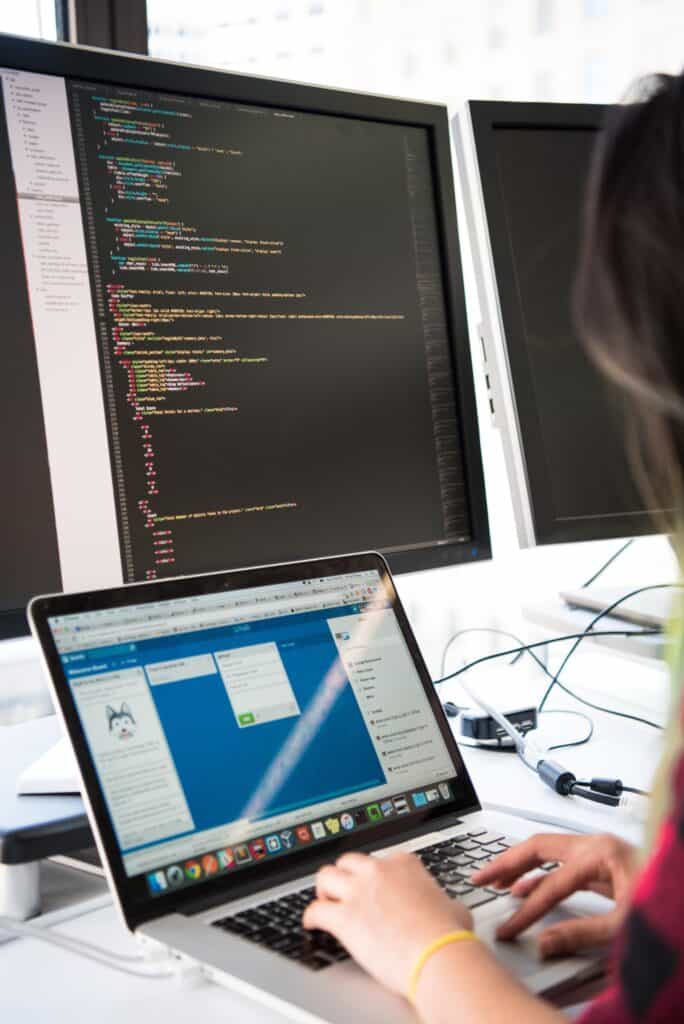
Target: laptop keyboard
x=277, y=925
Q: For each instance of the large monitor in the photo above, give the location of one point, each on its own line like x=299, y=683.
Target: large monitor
x=563, y=426
x=234, y=326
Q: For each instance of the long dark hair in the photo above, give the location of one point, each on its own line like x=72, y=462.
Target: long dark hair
x=629, y=294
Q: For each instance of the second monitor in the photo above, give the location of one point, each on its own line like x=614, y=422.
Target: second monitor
x=563, y=425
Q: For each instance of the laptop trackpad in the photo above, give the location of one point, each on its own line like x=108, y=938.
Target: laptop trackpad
x=521, y=955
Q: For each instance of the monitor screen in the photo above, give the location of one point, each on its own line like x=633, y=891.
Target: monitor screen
x=534, y=165
x=236, y=327
x=231, y=729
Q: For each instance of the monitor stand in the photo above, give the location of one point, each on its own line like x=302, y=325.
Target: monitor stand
x=55, y=771
x=650, y=610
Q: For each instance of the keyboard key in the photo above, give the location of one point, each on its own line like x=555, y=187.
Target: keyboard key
x=254, y=917
x=490, y=837
x=476, y=898
x=459, y=889
x=339, y=954
x=461, y=859
x=322, y=942
x=477, y=832
x=234, y=927
x=277, y=926
x=453, y=877
x=316, y=962
x=265, y=935
x=457, y=861
x=481, y=855
x=289, y=944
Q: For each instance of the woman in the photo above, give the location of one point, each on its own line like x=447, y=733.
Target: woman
x=390, y=913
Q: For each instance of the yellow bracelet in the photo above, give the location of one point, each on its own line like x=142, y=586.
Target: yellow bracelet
x=429, y=950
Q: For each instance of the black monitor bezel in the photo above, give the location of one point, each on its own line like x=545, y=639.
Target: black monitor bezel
x=486, y=117
x=137, y=906
x=103, y=66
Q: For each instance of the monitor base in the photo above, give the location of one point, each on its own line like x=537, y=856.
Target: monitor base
x=55, y=771
x=650, y=610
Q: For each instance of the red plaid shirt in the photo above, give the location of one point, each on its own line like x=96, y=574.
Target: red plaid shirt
x=647, y=978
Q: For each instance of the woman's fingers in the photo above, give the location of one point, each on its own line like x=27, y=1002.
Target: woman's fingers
x=337, y=881
x=551, y=890
x=355, y=863
x=524, y=886
x=522, y=858
x=333, y=883
x=602, y=888
x=326, y=915
x=576, y=934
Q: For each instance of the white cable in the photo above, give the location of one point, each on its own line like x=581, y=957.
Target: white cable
x=497, y=716
x=521, y=743
x=90, y=951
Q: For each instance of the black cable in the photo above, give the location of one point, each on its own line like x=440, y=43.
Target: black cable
x=597, y=798
x=545, y=643
x=599, y=707
x=554, y=746
x=613, y=557
x=452, y=709
x=589, y=630
x=498, y=632
x=555, y=681
x=604, y=794
x=573, y=743
x=612, y=787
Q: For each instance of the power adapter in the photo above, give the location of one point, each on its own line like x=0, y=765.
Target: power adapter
x=476, y=728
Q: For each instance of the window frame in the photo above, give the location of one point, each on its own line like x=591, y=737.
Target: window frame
x=107, y=24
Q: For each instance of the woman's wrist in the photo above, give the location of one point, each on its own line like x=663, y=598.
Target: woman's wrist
x=440, y=971
x=465, y=980
x=431, y=949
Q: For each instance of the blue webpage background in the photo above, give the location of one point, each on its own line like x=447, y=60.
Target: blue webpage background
x=220, y=765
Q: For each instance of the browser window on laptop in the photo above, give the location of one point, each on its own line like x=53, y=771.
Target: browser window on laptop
x=229, y=729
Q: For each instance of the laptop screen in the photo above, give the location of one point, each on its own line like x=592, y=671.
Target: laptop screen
x=232, y=728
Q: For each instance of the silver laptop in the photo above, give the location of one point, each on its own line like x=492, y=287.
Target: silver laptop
x=234, y=732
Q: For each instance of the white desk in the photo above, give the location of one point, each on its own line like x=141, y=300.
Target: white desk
x=37, y=981
x=619, y=748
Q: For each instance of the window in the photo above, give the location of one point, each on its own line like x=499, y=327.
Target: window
x=595, y=8
x=496, y=37
x=439, y=51
x=545, y=15
x=36, y=18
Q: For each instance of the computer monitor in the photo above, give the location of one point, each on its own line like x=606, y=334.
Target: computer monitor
x=562, y=423
x=233, y=324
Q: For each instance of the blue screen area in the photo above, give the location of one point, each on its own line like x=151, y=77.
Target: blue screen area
x=219, y=764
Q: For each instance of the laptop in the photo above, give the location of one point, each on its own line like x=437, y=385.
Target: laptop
x=234, y=732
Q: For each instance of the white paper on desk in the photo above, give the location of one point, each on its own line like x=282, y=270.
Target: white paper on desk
x=55, y=772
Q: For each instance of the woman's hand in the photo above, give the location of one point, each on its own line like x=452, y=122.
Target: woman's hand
x=385, y=911
x=602, y=864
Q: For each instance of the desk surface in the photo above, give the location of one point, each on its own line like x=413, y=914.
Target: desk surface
x=619, y=748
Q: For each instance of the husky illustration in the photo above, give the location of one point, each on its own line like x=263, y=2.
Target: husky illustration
x=121, y=722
